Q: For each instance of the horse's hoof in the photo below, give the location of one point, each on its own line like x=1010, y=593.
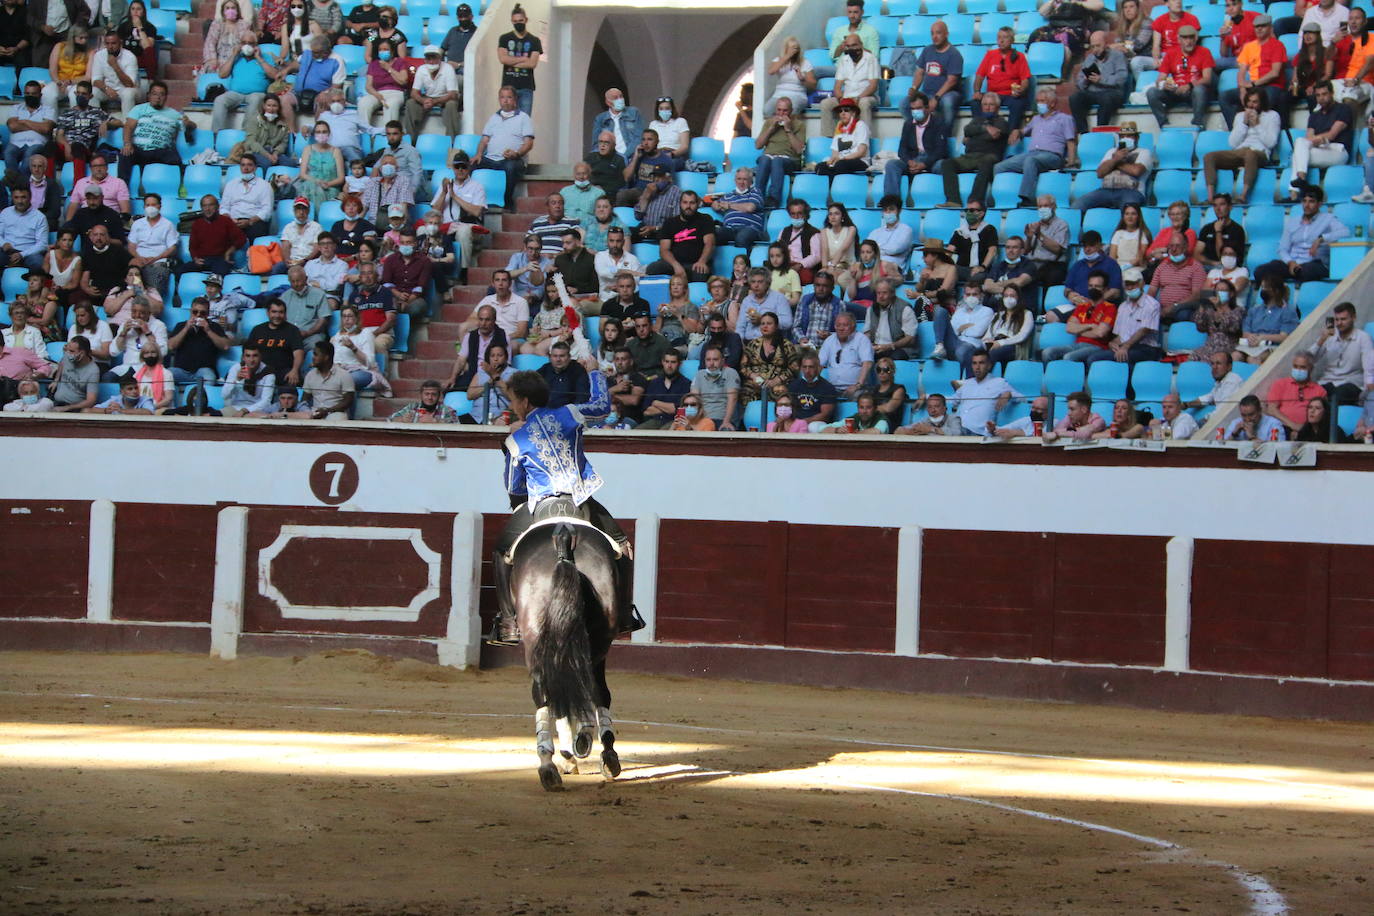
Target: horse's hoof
x=610, y=765
x=582, y=744
x=566, y=763
x=549, y=778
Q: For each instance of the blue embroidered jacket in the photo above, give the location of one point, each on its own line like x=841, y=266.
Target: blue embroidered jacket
x=545, y=457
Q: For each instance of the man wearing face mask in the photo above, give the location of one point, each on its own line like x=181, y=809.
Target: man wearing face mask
x=79, y=129
x=608, y=166
x=893, y=237
x=134, y=335
x=30, y=124
x=1011, y=271
x=435, y=90
x=959, y=333
x=248, y=76
x=154, y=242
x=1178, y=279
x=985, y=141
x=581, y=196
x=1288, y=395
x=1135, y=331
x=939, y=421
x=657, y=202
x=105, y=264
x=129, y=400
x=114, y=73
x=741, y=212
x=1054, y=145
x=345, y=130
x=406, y=272
x=150, y=133
x=1091, y=321
x=519, y=52
x=247, y=199
x=924, y=142
x=1047, y=243
x=455, y=43
x=1025, y=426
x=1124, y=170
x=299, y=238
x=1093, y=259
x=214, y=239
x=317, y=70
x=856, y=77
x=507, y=139
x=624, y=122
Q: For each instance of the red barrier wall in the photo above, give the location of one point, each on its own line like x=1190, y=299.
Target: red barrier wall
x=43, y=563
x=164, y=565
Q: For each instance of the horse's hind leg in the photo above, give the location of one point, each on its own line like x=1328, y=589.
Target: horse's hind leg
x=610, y=760
x=565, y=746
x=549, y=777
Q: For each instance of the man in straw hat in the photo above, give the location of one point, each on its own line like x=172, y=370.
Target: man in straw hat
x=1124, y=169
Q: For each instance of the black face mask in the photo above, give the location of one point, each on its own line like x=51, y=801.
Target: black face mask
x=519, y=29
x=1037, y=416
x=150, y=360
x=32, y=101
x=82, y=101
x=855, y=55
x=1095, y=294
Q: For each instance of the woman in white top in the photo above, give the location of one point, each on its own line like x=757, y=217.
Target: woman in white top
x=849, y=146
x=355, y=349
x=1008, y=336
x=1131, y=238
x=87, y=324
x=1231, y=269
x=795, y=76
x=674, y=136
x=64, y=264
x=838, y=236
x=295, y=29
x=29, y=337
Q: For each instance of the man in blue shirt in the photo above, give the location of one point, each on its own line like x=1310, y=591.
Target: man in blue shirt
x=24, y=230
x=939, y=72
x=924, y=142
x=248, y=75
x=814, y=320
x=316, y=71
x=150, y=133
x=1254, y=425
x=813, y=398
x=567, y=380
x=1304, y=247
x=624, y=122
x=545, y=458
x=663, y=395
x=741, y=212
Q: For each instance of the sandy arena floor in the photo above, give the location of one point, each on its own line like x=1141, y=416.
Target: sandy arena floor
x=352, y=784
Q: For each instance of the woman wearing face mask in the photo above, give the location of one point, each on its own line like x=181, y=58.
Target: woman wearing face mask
x=786, y=422
x=1178, y=223
x=355, y=350
x=796, y=76
x=29, y=400
x=1267, y=323
x=387, y=34
x=692, y=418
x=1233, y=270
x=718, y=301
x=267, y=137
x=295, y=29
x=674, y=136
x=434, y=239
x=387, y=81
x=353, y=228
x=228, y=32
x=869, y=268
x=1220, y=319
x=140, y=38
x=677, y=318
x=119, y=297
x=602, y=220
x=68, y=64
x=385, y=187
x=849, y=146
x=322, y=170
x=1009, y=335
x=155, y=380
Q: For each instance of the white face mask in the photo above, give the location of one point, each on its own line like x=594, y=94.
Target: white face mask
x=665, y=114
x=1228, y=262
x=152, y=211
x=336, y=107
x=248, y=50
x=270, y=116
x=1044, y=212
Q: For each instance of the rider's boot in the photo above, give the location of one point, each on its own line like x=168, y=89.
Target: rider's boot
x=629, y=619
x=505, y=629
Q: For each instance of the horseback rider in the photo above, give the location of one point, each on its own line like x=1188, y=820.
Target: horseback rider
x=545, y=459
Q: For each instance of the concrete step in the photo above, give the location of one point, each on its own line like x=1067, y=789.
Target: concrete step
x=179, y=72
x=385, y=407
x=433, y=349
x=454, y=314
x=421, y=369
x=507, y=242
x=468, y=295
x=538, y=190
x=480, y=276
x=444, y=330
x=518, y=223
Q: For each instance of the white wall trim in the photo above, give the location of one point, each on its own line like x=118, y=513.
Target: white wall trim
x=907, y=639
x=100, y=562
x=646, y=577
x=1178, y=613
x=461, y=646
x=231, y=560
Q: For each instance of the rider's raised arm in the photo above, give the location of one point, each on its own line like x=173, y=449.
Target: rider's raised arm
x=599, y=405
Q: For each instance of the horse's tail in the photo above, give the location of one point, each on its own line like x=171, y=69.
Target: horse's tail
x=562, y=657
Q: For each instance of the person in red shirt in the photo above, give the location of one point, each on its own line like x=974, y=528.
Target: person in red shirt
x=1261, y=63
x=1237, y=30
x=1185, y=78
x=1166, y=31
x=1092, y=320
x=214, y=240
x=1004, y=71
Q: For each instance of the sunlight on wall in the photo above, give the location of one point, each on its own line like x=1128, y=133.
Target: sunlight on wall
x=723, y=127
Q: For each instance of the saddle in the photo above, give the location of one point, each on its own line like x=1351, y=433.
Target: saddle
x=561, y=510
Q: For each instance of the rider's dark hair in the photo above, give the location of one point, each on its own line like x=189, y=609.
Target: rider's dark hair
x=530, y=386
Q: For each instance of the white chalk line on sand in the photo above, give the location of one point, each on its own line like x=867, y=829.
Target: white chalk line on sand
x=1265, y=900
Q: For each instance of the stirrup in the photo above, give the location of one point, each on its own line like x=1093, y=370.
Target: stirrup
x=505, y=631
x=635, y=622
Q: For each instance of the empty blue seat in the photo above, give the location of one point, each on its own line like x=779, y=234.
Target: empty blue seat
x=817, y=149
x=1046, y=59
x=202, y=180
x=753, y=413
x=810, y=187
x=927, y=191
x=1342, y=182
x=1025, y=375
x=1172, y=185
x=897, y=90
x=937, y=376
x=1063, y=376
x=743, y=153
x=12, y=283
x=1348, y=417
x=1174, y=148
x=530, y=361
x=707, y=149
x=887, y=28
x=1194, y=380
x=9, y=78
x=693, y=181
x=1151, y=381
x=160, y=178
x=1107, y=379
x=939, y=224
x=1184, y=336
x=1055, y=184
x=434, y=150
x=850, y=190
x=494, y=181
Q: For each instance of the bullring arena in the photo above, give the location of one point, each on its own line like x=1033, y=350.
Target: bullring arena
x=876, y=706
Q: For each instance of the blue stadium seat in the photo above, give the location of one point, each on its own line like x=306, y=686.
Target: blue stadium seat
x=897, y=90
x=707, y=149
x=1055, y=184
x=927, y=191
x=819, y=57
x=647, y=252
x=743, y=153
x=907, y=374
x=865, y=221
x=1006, y=189
x=850, y=190
x=529, y=361
x=1310, y=295
x=251, y=318
x=1171, y=185
x=465, y=142
x=1151, y=381
x=459, y=401
x=689, y=368
x=160, y=178
x=330, y=212
x=189, y=286
x=1046, y=59
x=1016, y=221
x=817, y=149
x=693, y=181
x=1210, y=141
x=1194, y=380
x=248, y=284
x=1107, y=379
x=1025, y=375
x=1084, y=182
x=12, y=283
x=939, y=224
x=226, y=140
x=1348, y=417
x=165, y=21
x=981, y=8
x=1341, y=182
x=9, y=79
x=1345, y=258
x=1092, y=146
x=206, y=80
x=434, y=150
x=937, y=374
x=1174, y=148
x=1102, y=220
x=903, y=7
x=202, y=180
x=916, y=30
x=887, y=28
x=1063, y=376
x=925, y=342
x=627, y=216
x=753, y=411
x=1183, y=336
x=494, y=181
x=810, y=187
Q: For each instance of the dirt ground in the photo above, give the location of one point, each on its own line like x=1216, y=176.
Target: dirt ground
x=346, y=783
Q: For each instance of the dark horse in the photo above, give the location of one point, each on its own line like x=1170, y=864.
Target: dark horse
x=563, y=583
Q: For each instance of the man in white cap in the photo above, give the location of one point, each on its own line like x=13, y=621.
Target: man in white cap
x=298, y=237
x=435, y=90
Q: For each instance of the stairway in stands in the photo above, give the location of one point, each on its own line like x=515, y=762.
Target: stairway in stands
x=432, y=347
x=187, y=54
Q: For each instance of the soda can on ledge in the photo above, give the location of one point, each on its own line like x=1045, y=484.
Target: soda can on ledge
x=505, y=418
x=1038, y=427
x=849, y=424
